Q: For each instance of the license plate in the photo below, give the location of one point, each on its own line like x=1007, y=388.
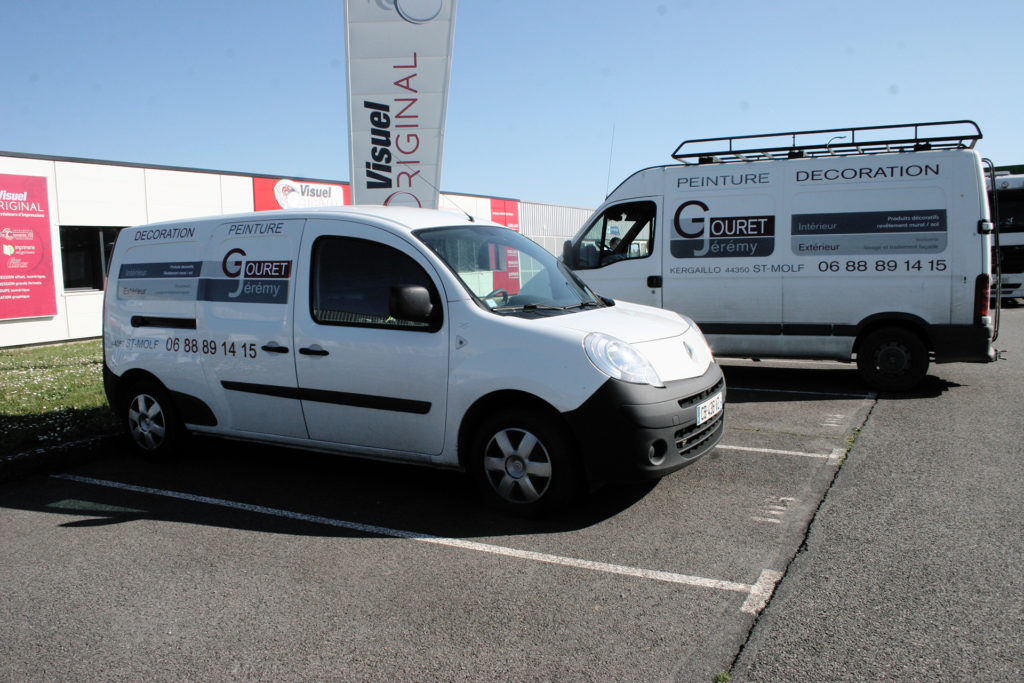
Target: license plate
x=709, y=408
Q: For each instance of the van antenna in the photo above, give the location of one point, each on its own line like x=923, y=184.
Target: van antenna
x=453, y=202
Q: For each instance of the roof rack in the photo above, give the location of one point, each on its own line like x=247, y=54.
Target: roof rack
x=907, y=137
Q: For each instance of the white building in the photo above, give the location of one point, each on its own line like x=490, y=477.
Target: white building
x=59, y=218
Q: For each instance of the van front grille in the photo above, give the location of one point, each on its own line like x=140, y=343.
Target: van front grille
x=701, y=396
x=690, y=440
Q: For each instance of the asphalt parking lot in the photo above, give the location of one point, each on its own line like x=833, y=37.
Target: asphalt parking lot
x=834, y=534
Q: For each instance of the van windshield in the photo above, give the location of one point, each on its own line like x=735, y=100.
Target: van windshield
x=507, y=273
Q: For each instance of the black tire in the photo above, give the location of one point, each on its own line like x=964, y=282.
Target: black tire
x=152, y=422
x=522, y=463
x=892, y=359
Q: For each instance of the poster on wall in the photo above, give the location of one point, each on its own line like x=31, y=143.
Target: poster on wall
x=27, y=288
x=506, y=212
x=399, y=58
x=270, y=194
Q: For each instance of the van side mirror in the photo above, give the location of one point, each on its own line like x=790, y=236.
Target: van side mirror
x=568, y=254
x=411, y=303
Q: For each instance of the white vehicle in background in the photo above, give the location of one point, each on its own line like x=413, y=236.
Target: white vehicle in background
x=401, y=334
x=1008, y=209
x=871, y=243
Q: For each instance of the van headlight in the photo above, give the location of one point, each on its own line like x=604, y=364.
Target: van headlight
x=620, y=360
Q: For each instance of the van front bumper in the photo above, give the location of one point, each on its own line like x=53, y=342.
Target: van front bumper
x=638, y=431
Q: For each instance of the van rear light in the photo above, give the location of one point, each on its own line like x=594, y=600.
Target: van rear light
x=982, y=294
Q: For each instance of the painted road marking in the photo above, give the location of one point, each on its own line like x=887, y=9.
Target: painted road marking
x=774, y=511
x=757, y=594
x=834, y=456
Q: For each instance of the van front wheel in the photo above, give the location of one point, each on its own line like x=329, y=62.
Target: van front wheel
x=152, y=422
x=892, y=359
x=522, y=464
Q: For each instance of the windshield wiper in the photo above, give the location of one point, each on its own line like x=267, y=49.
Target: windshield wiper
x=528, y=307
x=585, y=304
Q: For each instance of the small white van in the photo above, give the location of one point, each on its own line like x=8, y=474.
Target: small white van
x=401, y=334
x=870, y=242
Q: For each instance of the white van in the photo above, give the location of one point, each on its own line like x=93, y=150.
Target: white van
x=401, y=334
x=1009, y=209
x=871, y=243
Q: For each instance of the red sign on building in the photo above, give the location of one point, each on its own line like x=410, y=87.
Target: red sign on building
x=270, y=194
x=27, y=288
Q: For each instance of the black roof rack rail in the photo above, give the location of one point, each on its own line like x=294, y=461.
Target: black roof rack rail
x=907, y=137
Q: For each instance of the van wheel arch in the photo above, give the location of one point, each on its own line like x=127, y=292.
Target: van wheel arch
x=152, y=420
x=125, y=383
x=550, y=468
x=500, y=401
x=893, y=353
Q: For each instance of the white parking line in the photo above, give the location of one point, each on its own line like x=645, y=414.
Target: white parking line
x=763, y=590
x=756, y=593
x=776, y=451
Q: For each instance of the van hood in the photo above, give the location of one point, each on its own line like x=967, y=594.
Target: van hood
x=674, y=346
x=631, y=323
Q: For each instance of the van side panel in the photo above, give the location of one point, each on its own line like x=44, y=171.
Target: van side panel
x=245, y=310
x=722, y=249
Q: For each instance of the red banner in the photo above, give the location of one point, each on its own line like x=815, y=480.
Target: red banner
x=506, y=212
x=270, y=194
x=27, y=289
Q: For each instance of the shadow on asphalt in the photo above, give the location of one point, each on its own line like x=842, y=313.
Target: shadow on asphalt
x=393, y=496
x=772, y=383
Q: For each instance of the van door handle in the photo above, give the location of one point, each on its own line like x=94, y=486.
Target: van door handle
x=274, y=347
x=654, y=281
x=313, y=351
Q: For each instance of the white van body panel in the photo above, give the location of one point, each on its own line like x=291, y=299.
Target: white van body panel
x=798, y=257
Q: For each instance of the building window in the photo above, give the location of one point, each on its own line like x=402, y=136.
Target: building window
x=85, y=253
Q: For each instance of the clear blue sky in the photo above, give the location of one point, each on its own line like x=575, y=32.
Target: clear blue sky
x=537, y=86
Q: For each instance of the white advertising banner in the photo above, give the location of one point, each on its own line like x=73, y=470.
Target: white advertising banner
x=399, y=55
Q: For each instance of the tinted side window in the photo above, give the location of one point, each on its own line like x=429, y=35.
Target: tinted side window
x=624, y=231
x=352, y=281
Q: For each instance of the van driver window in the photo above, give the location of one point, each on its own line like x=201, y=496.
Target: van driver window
x=352, y=281
x=621, y=232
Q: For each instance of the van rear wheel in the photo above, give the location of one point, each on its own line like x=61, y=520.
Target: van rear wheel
x=522, y=463
x=892, y=359
x=152, y=421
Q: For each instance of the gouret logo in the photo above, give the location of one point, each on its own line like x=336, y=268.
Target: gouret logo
x=705, y=235
x=696, y=223
x=233, y=267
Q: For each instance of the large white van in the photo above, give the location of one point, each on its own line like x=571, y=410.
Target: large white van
x=871, y=243
x=401, y=334
x=1009, y=205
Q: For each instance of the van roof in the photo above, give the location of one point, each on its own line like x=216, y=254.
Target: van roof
x=401, y=218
